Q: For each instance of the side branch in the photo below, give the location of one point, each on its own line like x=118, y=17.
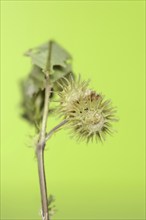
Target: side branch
x=50, y=133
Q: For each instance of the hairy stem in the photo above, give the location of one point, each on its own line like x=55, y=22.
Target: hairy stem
x=45, y=114
x=41, y=145
x=40, y=156
x=51, y=132
x=43, y=187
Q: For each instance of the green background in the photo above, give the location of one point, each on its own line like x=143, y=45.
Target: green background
x=95, y=181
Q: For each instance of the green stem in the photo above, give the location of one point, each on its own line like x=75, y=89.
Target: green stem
x=42, y=142
x=40, y=154
x=43, y=186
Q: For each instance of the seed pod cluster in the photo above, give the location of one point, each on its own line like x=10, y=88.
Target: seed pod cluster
x=89, y=114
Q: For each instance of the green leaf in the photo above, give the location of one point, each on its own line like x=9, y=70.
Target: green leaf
x=47, y=57
x=51, y=57
x=33, y=100
x=38, y=77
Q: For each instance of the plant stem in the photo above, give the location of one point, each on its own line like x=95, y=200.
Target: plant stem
x=43, y=187
x=42, y=142
x=45, y=114
x=40, y=155
x=51, y=132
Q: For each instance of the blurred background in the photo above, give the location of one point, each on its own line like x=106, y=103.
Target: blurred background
x=94, y=181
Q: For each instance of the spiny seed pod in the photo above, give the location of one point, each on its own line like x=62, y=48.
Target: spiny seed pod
x=71, y=93
x=89, y=115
